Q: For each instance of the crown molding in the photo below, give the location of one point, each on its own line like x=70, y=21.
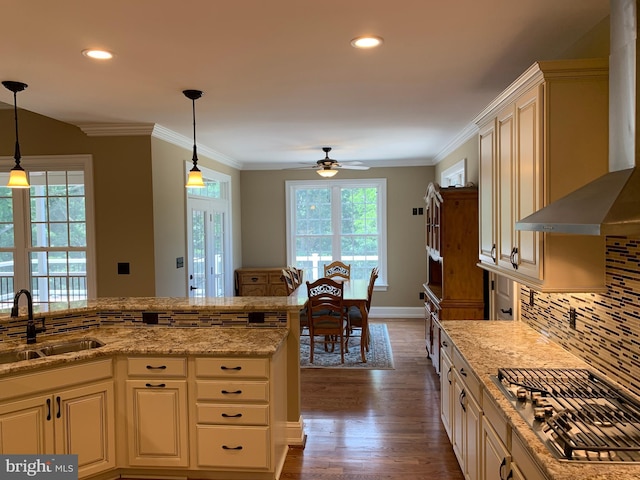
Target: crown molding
x=465, y=135
x=156, y=131
x=116, y=129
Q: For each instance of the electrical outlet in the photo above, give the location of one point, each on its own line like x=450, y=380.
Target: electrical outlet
x=415, y=211
x=572, y=318
x=421, y=295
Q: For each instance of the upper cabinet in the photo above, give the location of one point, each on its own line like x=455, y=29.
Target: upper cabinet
x=543, y=137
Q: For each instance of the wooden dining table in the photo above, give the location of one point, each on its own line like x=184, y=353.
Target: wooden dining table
x=354, y=295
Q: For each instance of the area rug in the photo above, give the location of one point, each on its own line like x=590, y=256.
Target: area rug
x=379, y=356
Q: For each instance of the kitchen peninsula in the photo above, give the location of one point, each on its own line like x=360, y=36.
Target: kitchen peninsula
x=225, y=371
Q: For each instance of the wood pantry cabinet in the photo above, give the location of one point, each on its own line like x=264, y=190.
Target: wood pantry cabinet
x=543, y=137
x=455, y=285
x=61, y=411
x=261, y=282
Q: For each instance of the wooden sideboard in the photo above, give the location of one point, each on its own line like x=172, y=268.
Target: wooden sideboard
x=260, y=282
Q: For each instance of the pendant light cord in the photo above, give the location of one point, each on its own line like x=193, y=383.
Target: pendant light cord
x=16, y=155
x=195, y=155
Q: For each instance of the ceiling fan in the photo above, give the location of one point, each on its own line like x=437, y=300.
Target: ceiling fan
x=328, y=167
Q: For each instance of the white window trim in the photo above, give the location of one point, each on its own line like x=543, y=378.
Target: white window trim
x=381, y=183
x=457, y=169
x=82, y=162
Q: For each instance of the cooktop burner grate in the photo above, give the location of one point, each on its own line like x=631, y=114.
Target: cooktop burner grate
x=579, y=415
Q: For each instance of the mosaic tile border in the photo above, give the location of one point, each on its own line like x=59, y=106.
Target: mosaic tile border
x=607, y=333
x=14, y=329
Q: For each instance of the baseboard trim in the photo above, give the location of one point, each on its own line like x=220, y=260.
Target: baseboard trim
x=295, y=433
x=396, y=312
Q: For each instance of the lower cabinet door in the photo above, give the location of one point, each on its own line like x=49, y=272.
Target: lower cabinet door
x=233, y=447
x=85, y=425
x=26, y=426
x=157, y=423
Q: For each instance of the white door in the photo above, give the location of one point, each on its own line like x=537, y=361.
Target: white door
x=200, y=245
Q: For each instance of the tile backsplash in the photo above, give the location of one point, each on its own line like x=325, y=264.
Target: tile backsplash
x=607, y=329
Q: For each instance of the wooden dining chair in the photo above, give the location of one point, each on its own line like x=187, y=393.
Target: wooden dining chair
x=357, y=319
x=287, y=278
x=328, y=323
x=337, y=269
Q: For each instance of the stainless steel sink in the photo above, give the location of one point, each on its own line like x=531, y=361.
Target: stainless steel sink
x=71, y=346
x=19, y=355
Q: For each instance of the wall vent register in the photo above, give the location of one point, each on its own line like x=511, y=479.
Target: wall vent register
x=578, y=415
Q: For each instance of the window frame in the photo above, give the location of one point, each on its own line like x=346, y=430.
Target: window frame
x=379, y=183
x=22, y=228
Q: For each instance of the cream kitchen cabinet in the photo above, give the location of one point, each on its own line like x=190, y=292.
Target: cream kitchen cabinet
x=543, y=137
x=239, y=414
x=460, y=410
x=66, y=410
x=156, y=412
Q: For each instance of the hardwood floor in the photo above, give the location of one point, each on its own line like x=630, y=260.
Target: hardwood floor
x=375, y=424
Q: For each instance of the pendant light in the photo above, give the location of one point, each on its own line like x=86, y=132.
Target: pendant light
x=17, y=176
x=195, y=175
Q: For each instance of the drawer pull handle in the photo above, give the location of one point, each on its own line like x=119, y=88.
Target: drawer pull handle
x=445, y=344
x=226, y=415
x=254, y=279
x=502, y=465
x=48, y=409
x=161, y=367
x=159, y=385
x=226, y=392
x=223, y=367
x=239, y=447
x=462, y=372
x=59, y=413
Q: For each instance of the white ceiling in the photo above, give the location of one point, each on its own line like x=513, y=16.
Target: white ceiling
x=280, y=77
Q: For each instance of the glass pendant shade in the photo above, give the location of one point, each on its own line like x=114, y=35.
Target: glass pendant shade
x=18, y=178
x=195, y=179
x=327, y=172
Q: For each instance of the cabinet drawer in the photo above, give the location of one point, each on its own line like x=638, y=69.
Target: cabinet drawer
x=446, y=345
x=157, y=367
x=246, y=447
x=254, y=278
x=466, y=374
x=231, y=414
x=521, y=457
x=232, y=391
x=495, y=418
x=232, y=367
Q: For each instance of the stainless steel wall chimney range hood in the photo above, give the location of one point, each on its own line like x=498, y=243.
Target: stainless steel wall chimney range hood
x=609, y=205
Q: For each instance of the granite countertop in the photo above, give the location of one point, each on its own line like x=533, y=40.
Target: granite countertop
x=156, y=340
x=247, y=304
x=489, y=345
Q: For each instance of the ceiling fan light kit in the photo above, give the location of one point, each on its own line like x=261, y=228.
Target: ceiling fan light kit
x=17, y=176
x=195, y=175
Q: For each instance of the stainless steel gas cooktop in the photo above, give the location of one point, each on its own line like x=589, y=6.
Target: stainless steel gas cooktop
x=579, y=416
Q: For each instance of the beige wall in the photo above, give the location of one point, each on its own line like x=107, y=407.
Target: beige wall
x=123, y=198
x=263, y=225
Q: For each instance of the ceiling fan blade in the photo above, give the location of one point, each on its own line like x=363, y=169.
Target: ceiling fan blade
x=352, y=167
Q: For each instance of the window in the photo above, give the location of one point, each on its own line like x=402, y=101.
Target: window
x=46, y=231
x=455, y=175
x=337, y=220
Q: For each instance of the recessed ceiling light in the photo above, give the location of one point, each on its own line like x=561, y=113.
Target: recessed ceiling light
x=97, y=54
x=366, y=41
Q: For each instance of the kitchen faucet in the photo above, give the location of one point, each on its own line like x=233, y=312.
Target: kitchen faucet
x=31, y=326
